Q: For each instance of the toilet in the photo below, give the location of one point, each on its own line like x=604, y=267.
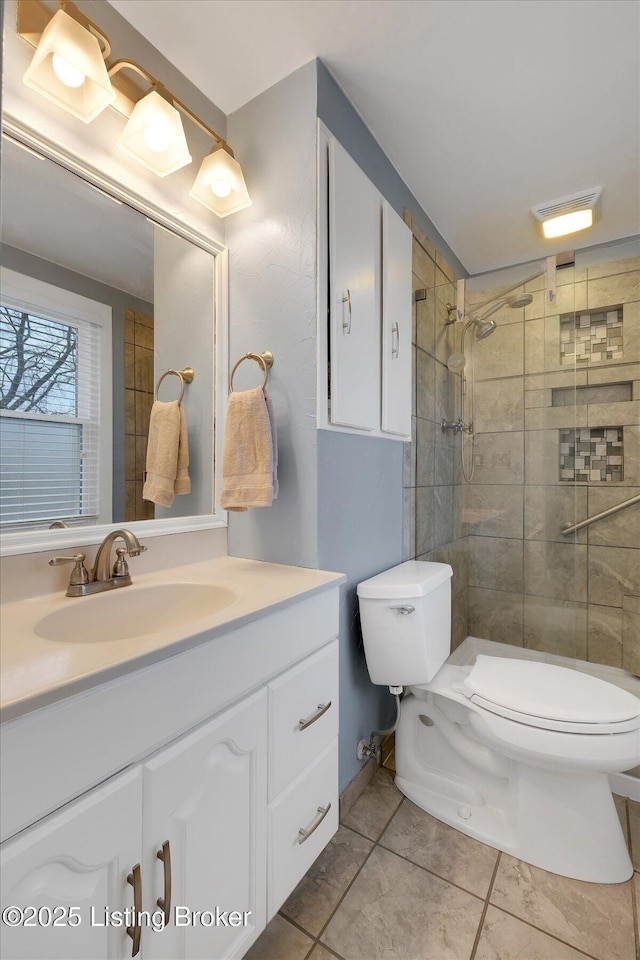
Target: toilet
x=515, y=753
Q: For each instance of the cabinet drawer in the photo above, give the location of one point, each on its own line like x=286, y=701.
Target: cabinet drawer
x=300, y=807
x=303, y=716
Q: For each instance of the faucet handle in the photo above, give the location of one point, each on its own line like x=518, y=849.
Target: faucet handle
x=79, y=574
x=121, y=567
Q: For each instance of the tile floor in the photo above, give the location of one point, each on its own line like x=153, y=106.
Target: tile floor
x=396, y=884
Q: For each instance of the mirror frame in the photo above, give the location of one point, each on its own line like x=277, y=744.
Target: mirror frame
x=33, y=541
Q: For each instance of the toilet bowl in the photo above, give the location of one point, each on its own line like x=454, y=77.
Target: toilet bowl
x=515, y=753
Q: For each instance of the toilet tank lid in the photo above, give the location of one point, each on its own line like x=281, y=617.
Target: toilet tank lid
x=547, y=690
x=415, y=578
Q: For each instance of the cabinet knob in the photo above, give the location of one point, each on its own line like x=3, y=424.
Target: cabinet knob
x=346, y=324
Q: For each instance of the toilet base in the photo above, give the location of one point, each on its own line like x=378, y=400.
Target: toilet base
x=562, y=822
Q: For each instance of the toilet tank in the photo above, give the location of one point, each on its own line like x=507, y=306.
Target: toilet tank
x=406, y=622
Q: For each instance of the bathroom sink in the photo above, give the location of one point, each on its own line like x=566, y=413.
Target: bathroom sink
x=135, y=611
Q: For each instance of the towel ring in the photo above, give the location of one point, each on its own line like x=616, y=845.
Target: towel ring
x=264, y=359
x=186, y=376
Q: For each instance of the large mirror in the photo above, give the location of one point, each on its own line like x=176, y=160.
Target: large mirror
x=97, y=302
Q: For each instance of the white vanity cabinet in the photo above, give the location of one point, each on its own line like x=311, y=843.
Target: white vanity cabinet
x=223, y=800
x=368, y=269
x=72, y=863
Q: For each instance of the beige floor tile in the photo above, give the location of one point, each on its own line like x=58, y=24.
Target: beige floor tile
x=321, y=953
x=280, y=941
x=636, y=883
x=505, y=938
x=634, y=826
x=374, y=807
x=313, y=900
x=426, y=841
x=593, y=917
x=397, y=911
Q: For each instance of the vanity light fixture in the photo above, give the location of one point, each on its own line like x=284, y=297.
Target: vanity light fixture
x=154, y=135
x=68, y=66
x=64, y=71
x=568, y=214
x=220, y=184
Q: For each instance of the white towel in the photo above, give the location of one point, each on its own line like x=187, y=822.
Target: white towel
x=250, y=457
x=167, y=468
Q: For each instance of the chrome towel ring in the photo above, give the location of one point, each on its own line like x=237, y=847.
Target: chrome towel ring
x=186, y=376
x=264, y=359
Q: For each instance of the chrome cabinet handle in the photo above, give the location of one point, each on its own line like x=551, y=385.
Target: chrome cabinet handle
x=404, y=608
x=346, y=324
x=135, y=879
x=395, y=351
x=165, y=902
x=322, y=709
x=305, y=834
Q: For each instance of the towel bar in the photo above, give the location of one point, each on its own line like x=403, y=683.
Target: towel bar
x=186, y=376
x=264, y=359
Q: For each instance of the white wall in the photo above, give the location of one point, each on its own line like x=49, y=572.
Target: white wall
x=272, y=304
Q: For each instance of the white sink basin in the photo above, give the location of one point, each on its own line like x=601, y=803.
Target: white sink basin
x=134, y=611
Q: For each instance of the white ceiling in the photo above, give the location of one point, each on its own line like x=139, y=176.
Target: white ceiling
x=485, y=107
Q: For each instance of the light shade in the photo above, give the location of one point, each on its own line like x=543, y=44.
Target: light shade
x=154, y=136
x=567, y=223
x=220, y=184
x=68, y=68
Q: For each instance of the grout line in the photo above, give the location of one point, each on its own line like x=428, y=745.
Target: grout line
x=432, y=873
x=485, y=907
x=346, y=891
x=553, y=936
x=636, y=916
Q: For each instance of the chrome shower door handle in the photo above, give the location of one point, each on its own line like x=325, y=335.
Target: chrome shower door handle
x=395, y=351
x=346, y=324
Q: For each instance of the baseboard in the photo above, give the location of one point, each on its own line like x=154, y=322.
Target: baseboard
x=351, y=792
x=625, y=785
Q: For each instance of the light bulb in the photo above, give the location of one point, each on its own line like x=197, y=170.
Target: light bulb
x=221, y=188
x=66, y=72
x=157, y=137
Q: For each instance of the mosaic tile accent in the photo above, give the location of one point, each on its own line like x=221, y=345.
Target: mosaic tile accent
x=590, y=337
x=591, y=454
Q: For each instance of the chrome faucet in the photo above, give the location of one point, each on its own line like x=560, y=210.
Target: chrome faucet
x=103, y=576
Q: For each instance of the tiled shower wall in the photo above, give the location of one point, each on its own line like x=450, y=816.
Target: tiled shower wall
x=432, y=490
x=528, y=584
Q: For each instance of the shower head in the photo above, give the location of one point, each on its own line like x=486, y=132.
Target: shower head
x=523, y=300
x=484, y=328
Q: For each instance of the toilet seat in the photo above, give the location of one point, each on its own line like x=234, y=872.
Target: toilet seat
x=550, y=697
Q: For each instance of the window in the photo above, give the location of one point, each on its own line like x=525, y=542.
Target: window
x=55, y=405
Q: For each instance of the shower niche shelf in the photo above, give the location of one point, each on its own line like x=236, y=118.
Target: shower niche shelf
x=591, y=454
x=591, y=336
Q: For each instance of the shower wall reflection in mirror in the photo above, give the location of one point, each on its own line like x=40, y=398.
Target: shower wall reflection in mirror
x=96, y=303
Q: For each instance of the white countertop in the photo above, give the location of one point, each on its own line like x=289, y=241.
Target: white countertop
x=36, y=671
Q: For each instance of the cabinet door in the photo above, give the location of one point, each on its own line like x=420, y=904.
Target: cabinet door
x=396, y=324
x=354, y=293
x=78, y=857
x=206, y=796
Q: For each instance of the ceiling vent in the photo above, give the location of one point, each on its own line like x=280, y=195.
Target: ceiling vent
x=577, y=201
x=568, y=214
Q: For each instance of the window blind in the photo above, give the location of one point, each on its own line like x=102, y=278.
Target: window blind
x=50, y=372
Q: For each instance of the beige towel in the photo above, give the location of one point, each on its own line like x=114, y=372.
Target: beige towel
x=250, y=457
x=167, y=453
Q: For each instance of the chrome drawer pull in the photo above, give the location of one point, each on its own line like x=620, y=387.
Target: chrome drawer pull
x=305, y=834
x=322, y=709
